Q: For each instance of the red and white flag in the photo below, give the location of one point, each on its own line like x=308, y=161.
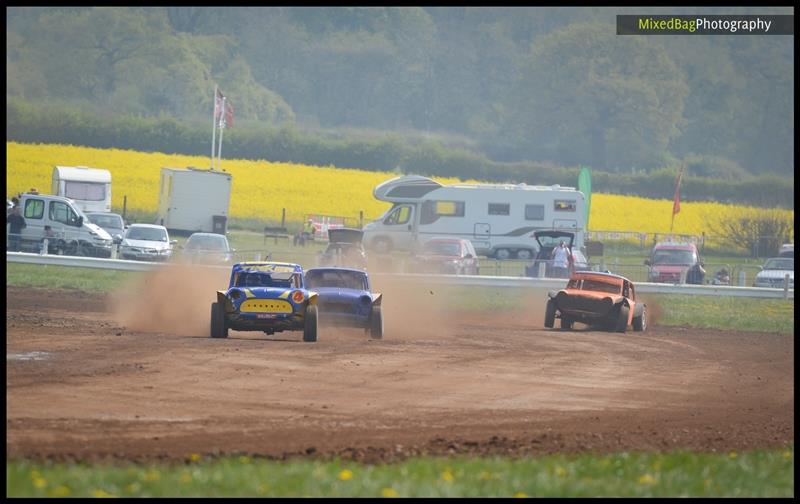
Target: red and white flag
x=222, y=104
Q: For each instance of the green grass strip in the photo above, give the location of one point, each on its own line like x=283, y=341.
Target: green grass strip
x=676, y=474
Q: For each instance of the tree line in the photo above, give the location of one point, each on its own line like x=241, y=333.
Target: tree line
x=31, y=123
x=514, y=84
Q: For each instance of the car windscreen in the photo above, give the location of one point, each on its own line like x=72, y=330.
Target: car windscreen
x=683, y=257
x=261, y=279
x=106, y=221
x=594, y=285
x=146, y=234
x=207, y=243
x=442, y=248
x=779, y=264
x=341, y=279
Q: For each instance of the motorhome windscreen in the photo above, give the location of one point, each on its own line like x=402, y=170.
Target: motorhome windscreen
x=341, y=279
x=85, y=191
x=674, y=257
x=146, y=234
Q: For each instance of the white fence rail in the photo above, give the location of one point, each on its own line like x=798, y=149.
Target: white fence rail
x=476, y=281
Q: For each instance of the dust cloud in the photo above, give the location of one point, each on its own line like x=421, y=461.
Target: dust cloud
x=175, y=300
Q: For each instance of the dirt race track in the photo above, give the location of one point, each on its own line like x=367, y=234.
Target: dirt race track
x=134, y=376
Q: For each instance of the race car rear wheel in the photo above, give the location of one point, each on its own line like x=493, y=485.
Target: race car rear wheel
x=310, y=327
x=566, y=323
x=622, y=319
x=219, y=329
x=376, y=323
x=640, y=322
x=550, y=314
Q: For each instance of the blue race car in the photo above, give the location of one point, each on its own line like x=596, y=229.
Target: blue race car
x=345, y=299
x=265, y=296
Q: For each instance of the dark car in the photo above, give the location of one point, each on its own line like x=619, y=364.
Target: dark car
x=345, y=249
x=447, y=256
x=345, y=299
x=596, y=299
x=549, y=240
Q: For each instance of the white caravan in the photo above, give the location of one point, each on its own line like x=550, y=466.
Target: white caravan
x=89, y=188
x=194, y=200
x=499, y=219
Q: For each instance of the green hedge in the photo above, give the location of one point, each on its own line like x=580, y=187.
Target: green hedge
x=29, y=123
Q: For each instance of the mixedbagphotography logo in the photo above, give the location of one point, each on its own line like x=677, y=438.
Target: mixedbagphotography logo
x=705, y=25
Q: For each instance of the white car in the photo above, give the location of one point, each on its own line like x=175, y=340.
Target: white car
x=146, y=242
x=773, y=272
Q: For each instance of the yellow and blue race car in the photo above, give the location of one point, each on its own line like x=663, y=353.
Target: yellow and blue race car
x=265, y=296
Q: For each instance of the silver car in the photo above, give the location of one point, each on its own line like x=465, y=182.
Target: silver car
x=146, y=242
x=208, y=248
x=773, y=272
x=111, y=222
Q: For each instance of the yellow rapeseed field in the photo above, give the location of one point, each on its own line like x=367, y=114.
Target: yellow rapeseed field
x=262, y=188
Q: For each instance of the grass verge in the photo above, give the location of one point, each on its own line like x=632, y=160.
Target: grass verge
x=675, y=474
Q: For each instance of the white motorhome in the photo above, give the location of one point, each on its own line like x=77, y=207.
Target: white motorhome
x=194, y=200
x=499, y=219
x=89, y=188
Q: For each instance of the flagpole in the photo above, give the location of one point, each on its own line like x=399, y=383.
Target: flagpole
x=213, y=126
x=221, y=131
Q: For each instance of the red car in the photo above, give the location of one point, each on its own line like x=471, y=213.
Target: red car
x=597, y=299
x=669, y=262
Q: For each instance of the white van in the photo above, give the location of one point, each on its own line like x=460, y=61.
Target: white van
x=499, y=219
x=69, y=226
x=89, y=188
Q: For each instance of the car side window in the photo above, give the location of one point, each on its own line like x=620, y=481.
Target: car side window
x=62, y=213
x=34, y=209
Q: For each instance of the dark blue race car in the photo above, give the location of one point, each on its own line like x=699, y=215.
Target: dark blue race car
x=265, y=296
x=345, y=299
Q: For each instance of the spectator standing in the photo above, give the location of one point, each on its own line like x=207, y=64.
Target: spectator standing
x=695, y=274
x=561, y=260
x=17, y=224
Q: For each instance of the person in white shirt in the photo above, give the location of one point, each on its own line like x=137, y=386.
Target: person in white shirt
x=560, y=257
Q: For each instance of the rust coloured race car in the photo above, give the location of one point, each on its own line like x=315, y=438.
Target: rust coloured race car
x=597, y=299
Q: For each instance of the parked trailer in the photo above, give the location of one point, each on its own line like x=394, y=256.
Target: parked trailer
x=499, y=219
x=194, y=200
x=89, y=188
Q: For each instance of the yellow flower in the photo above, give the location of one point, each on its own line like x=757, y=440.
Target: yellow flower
x=194, y=457
x=389, y=492
x=100, y=493
x=646, y=479
x=151, y=475
x=133, y=488
x=60, y=491
x=244, y=459
x=39, y=482
x=560, y=471
x=733, y=455
x=787, y=455
x=520, y=495
x=447, y=475
x=345, y=474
